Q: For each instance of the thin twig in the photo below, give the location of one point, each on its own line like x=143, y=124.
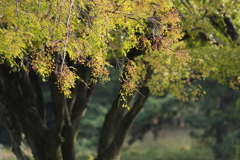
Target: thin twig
x=137, y=19
x=66, y=42
x=118, y=63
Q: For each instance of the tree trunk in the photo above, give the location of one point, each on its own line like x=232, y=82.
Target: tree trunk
x=8, y=120
x=220, y=127
x=112, y=152
x=111, y=124
x=118, y=122
x=69, y=145
x=24, y=111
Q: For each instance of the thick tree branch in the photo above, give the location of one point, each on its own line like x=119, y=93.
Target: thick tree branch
x=231, y=28
x=111, y=123
x=21, y=92
x=25, y=112
x=111, y=139
x=71, y=101
x=80, y=105
x=40, y=105
x=185, y=5
x=214, y=39
x=11, y=123
x=112, y=152
x=90, y=92
x=115, y=115
x=59, y=106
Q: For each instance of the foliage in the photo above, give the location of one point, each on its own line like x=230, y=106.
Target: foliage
x=212, y=35
x=56, y=37
x=43, y=34
x=207, y=115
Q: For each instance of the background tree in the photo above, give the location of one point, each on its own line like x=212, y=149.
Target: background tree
x=207, y=117
x=212, y=33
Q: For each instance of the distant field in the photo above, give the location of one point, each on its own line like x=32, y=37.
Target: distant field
x=6, y=154
x=172, y=144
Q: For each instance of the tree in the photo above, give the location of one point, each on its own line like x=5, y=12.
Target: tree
x=68, y=44
x=219, y=126
x=212, y=33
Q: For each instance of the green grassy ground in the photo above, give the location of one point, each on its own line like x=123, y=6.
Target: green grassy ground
x=172, y=144
x=6, y=154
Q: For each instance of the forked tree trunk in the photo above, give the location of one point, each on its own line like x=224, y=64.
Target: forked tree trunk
x=115, y=142
x=118, y=122
x=22, y=101
x=111, y=124
x=24, y=111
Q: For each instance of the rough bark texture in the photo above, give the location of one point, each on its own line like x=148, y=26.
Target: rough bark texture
x=111, y=124
x=231, y=28
x=112, y=152
x=24, y=111
x=68, y=147
x=115, y=115
x=8, y=119
x=118, y=121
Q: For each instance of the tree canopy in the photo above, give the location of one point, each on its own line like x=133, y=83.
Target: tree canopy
x=71, y=44
x=45, y=35
x=212, y=35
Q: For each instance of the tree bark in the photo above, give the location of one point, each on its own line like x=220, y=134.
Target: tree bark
x=69, y=145
x=21, y=96
x=115, y=115
x=220, y=127
x=118, y=122
x=231, y=28
x=112, y=152
x=18, y=98
x=111, y=124
x=8, y=120
x=77, y=107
